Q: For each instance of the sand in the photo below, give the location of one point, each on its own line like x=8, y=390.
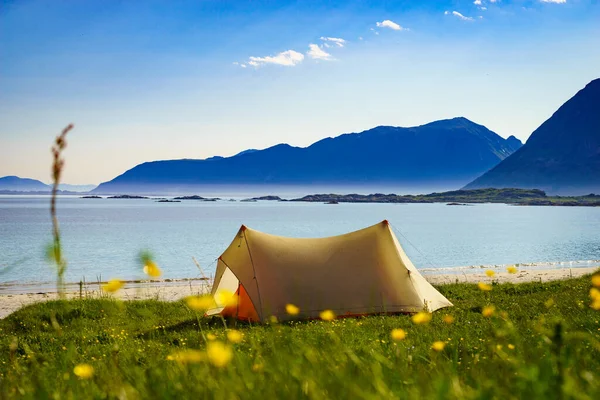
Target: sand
x=169, y=291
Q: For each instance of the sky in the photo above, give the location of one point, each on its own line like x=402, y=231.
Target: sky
x=155, y=80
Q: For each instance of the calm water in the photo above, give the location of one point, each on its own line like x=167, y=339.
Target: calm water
x=102, y=237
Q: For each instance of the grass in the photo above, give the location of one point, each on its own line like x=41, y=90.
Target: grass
x=532, y=347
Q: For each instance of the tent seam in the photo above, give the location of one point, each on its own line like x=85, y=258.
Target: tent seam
x=254, y=271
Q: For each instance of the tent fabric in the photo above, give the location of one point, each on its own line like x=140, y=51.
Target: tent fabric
x=357, y=273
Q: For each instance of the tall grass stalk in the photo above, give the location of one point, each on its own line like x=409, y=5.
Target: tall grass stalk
x=55, y=249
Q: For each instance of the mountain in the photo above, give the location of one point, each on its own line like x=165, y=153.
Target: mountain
x=450, y=151
x=562, y=156
x=14, y=183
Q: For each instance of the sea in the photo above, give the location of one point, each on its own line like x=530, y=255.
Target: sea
x=102, y=238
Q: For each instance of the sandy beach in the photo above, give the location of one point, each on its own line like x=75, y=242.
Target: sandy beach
x=173, y=291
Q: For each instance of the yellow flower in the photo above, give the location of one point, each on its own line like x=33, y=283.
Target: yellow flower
x=484, y=286
x=594, y=293
x=490, y=273
x=511, y=346
x=549, y=303
x=596, y=280
x=151, y=269
x=421, y=318
x=200, y=303
x=257, y=367
x=210, y=336
x=219, y=354
x=273, y=319
x=186, y=356
x=512, y=269
x=398, y=334
x=226, y=298
x=113, y=285
x=448, y=319
x=438, y=346
x=84, y=371
x=292, y=309
x=327, y=315
x=234, y=336
x=595, y=304
x=488, y=311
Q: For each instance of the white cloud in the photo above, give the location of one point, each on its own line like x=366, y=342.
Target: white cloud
x=390, y=24
x=483, y=8
x=374, y=31
x=339, y=41
x=318, y=53
x=554, y=1
x=493, y=1
x=477, y=2
x=459, y=16
x=288, y=58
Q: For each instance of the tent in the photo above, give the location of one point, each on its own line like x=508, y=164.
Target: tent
x=358, y=273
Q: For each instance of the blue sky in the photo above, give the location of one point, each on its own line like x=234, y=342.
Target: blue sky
x=155, y=80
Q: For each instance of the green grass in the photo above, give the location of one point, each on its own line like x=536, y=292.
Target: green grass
x=556, y=351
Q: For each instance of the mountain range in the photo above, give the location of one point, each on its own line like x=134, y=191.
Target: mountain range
x=452, y=152
x=16, y=184
x=562, y=156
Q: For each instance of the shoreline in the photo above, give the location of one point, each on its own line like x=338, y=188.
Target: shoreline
x=175, y=289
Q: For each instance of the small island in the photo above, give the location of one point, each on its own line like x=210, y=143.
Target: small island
x=198, y=198
x=268, y=198
x=127, y=196
x=90, y=197
x=167, y=201
x=521, y=197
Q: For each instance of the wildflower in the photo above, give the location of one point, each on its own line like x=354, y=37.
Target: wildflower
x=421, y=318
x=186, y=356
x=549, y=303
x=448, y=319
x=273, y=319
x=488, y=311
x=257, y=367
x=226, y=298
x=596, y=304
x=234, y=336
x=112, y=286
x=596, y=280
x=511, y=346
x=398, y=334
x=200, y=303
x=151, y=269
x=327, y=315
x=219, y=354
x=490, y=273
x=512, y=269
x=438, y=346
x=211, y=336
x=484, y=286
x=594, y=293
x=84, y=371
x=292, y=309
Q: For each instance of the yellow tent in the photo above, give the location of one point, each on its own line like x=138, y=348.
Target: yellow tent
x=362, y=272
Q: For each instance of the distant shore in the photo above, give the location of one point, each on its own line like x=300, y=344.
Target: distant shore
x=173, y=290
x=521, y=197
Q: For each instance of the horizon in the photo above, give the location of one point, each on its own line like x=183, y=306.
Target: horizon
x=156, y=81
